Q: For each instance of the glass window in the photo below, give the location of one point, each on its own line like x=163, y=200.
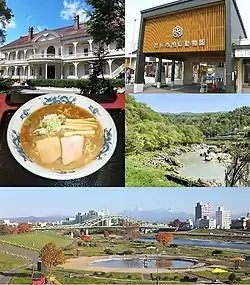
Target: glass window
x=71, y=50
x=18, y=71
x=86, y=69
x=13, y=72
x=71, y=69
x=40, y=71
x=86, y=51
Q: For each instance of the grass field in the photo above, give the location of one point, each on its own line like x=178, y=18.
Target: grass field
x=139, y=175
x=8, y=262
x=37, y=240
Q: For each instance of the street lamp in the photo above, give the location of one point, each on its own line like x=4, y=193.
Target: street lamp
x=157, y=267
x=133, y=41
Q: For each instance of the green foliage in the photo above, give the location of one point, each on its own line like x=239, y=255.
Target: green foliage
x=216, y=124
x=5, y=84
x=147, y=130
x=107, y=21
x=71, y=83
x=6, y=15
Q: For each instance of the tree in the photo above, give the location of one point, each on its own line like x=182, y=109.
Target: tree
x=164, y=238
x=4, y=230
x=106, y=234
x=23, y=228
x=5, y=17
x=51, y=256
x=85, y=238
x=232, y=277
x=238, y=171
x=107, y=21
x=132, y=232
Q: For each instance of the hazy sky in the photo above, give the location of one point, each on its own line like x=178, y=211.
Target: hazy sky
x=69, y=201
x=133, y=8
x=193, y=103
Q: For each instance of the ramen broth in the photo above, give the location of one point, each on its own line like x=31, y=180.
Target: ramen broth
x=92, y=143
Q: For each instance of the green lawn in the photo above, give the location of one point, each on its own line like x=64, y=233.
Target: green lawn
x=37, y=240
x=139, y=175
x=8, y=262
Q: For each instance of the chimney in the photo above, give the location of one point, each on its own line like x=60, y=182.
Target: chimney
x=31, y=33
x=76, y=22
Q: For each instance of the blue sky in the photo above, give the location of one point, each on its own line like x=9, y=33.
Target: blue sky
x=43, y=14
x=193, y=103
x=69, y=201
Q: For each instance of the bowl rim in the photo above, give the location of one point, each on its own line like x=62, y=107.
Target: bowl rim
x=38, y=170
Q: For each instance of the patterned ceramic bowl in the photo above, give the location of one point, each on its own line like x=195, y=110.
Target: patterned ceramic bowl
x=103, y=117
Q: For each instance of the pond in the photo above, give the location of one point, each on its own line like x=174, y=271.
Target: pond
x=146, y=262
x=196, y=167
x=204, y=243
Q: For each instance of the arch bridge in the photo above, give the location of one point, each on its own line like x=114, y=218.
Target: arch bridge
x=106, y=221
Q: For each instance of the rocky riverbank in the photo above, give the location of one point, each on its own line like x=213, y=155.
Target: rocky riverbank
x=168, y=160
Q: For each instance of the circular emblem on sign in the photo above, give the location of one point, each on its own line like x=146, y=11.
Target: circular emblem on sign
x=177, y=32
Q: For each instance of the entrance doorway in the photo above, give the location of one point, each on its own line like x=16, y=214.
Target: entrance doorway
x=51, y=72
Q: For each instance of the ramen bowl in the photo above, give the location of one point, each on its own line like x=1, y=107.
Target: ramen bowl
x=85, y=125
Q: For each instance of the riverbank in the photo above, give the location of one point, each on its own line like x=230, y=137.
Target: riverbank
x=167, y=168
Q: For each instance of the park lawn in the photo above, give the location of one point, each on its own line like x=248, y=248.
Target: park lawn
x=139, y=175
x=37, y=240
x=8, y=262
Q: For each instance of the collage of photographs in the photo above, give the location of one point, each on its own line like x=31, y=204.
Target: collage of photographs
x=124, y=142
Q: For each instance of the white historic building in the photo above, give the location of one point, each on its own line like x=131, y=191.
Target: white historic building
x=60, y=53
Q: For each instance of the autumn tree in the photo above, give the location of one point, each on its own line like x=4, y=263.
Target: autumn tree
x=51, y=256
x=23, y=228
x=164, y=238
x=5, y=18
x=85, y=238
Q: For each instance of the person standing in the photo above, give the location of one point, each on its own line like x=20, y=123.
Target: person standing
x=128, y=76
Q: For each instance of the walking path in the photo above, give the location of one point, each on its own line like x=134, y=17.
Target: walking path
x=32, y=255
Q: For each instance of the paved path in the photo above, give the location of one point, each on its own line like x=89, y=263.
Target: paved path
x=32, y=256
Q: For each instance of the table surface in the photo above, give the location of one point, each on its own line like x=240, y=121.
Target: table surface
x=12, y=174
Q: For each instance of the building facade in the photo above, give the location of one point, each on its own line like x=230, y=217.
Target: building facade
x=177, y=31
x=206, y=223
x=57, y=54
x=203, y=210
x=223, y=219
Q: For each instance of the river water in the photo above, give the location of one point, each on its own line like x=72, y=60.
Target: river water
x=204, y=243
x=195, y=167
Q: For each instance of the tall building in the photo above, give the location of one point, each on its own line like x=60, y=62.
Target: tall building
x=223, y=218
x=202, y=211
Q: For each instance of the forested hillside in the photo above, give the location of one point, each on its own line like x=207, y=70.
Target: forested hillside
x=215, y=124
x=147, y=130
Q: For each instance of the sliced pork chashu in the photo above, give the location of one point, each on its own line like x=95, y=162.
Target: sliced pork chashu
x=49, y=149
x=72, y=149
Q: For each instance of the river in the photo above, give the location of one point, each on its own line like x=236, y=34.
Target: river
x=195, y=167
x=204, y=243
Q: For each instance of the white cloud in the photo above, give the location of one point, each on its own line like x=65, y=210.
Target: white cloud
x=28, y=18
x=73, y=7
x=11, y=24
x=133, y=9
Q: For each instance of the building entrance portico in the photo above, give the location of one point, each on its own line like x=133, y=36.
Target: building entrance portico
x=197, y=36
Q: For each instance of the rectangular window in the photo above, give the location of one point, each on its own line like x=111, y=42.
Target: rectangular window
x=86, y=51
x=71, y=50
x=71, y=69
x=31, y=71
x=18, y=71
x=13, y=72
x=40, y=71
x=60, y=51
x=86, y=69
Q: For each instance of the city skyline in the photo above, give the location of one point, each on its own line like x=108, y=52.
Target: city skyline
x=179, y=103
x=60, y=201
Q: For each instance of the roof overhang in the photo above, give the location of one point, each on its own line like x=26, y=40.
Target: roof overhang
x=182, y=5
